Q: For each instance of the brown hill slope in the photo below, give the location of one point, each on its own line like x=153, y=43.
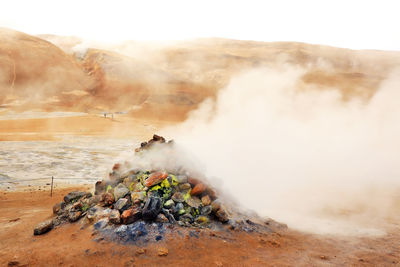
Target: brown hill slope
x=35, y=73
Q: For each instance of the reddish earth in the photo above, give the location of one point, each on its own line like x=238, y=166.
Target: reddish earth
x=69, y=245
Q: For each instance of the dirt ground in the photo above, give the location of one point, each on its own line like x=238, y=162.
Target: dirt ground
x=70, y=245
x=90, y=125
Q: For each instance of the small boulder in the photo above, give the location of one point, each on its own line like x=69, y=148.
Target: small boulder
x=169, y=203
x=57, y=208
x=72, y=196
x=100, y=187
x=115, y=217
x=205, y=200
x=107, y=199
x=120, y=191
x=137, y=197
x=121, y=204
x=131, y=215
x=202, y=220
x=178, y=197
x=185, y=186
x=162, y=252
x=194, y=202
x=206, y=210
x=43, y=227
x=73, y=216
x=198, y=189
x=155, y=178
x=152, y=208
x=222, y=215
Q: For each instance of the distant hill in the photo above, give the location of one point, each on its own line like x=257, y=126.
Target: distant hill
x=166, y=81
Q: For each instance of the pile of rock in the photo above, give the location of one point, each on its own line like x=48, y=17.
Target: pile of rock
x=142, y=195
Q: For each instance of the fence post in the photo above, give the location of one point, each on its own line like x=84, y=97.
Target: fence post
x=51, y=191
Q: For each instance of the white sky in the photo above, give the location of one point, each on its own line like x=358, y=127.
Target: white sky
x=353, y=24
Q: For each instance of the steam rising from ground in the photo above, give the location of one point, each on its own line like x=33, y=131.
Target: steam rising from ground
x=304, y=157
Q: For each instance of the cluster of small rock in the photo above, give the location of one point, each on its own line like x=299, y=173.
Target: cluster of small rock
x=142, y=195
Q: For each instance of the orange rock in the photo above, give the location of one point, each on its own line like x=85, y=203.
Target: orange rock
x=155, y=178
x=162, y=252
x=116, y=166
x=198, y=189
x=131, y=215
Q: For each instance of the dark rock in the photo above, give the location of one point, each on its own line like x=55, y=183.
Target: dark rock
x=57, y=208
x=72, y=196
x=169, y=216
x=43, y=227
x=152, y=208
x=115, y=217
x=131, y=215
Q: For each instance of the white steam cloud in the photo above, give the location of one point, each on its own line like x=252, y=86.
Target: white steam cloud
x=303, y=157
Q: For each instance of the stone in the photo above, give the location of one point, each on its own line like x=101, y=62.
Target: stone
x=182, y=179
x=73, y=216
x=100, y=187
x=115, y=217
x=120, y=191
x=206, y=210
x=205, y=200
x=178, y=197
x=57, y=208
x=194, y=202
x=152, y=208
x=216, y=205
x=140, y=251
x=186, y=218
x=185, y=186
x=222, y=215
x=155, y=178
x=198, y=189
x=43, y=227
x=131, y=215
x=121, y=204
x=75, y=195
x=202, y=220
x=169, y=216
x=169, y=203
x=101, y=224
x=107, y=199
x=137, y=197
x=162, y=252
x=161, y=218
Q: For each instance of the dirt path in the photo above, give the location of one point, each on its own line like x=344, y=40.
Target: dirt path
x=72, y=246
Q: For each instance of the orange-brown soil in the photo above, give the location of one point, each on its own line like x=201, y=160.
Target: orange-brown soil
x=90, y=125
x=70, y=245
